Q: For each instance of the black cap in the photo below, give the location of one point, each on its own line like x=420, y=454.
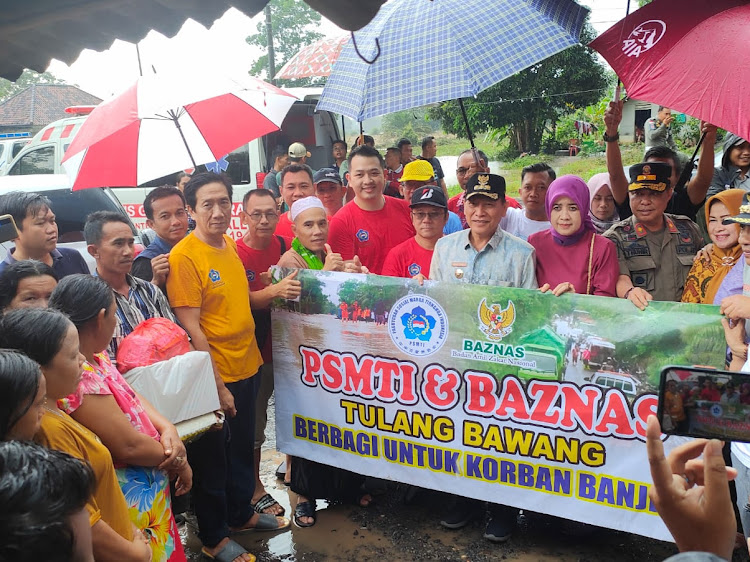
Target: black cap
x=650, y=175
x=744, y=217
x=429, y=195
x=489, y=185
x=327, y=174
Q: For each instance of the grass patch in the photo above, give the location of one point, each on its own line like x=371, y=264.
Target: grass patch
x=453, y=146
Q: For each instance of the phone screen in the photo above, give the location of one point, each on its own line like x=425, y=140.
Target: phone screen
x=704, y=402
x=8, y=230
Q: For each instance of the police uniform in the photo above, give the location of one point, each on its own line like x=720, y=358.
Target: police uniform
x=658, y=262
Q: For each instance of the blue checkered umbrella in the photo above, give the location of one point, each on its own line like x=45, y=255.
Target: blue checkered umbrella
x=429, y=51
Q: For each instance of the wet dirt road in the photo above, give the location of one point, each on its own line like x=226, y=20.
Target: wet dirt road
x=393, y=530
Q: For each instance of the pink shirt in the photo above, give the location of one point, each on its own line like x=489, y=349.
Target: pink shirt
x=556, y=264
x=102, y=378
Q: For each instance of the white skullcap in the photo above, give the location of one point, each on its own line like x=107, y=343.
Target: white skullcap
x=304, y=204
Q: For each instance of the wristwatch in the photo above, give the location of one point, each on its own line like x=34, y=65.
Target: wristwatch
x=615, y=138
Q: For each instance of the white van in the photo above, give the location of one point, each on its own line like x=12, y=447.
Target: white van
x=247, y=165
x=10, y=145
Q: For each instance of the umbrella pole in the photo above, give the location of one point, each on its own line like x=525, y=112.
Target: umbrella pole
x=466, y=122
x=361, y=134
x=176, y=120
x=687, y=171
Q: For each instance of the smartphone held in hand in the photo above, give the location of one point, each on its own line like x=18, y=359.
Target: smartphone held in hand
x=704, y=402
x=8, y=230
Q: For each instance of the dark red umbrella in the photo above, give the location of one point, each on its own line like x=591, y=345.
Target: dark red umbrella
x=689, y=55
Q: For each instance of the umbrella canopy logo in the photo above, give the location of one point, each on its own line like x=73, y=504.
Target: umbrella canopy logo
x=644, y=37
x=418, y=325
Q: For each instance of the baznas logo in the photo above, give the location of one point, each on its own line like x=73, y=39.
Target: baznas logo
x=418, y=325
x=494, y=322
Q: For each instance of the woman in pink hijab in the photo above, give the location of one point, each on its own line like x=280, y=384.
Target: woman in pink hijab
x=603, y=211
x=571, y=257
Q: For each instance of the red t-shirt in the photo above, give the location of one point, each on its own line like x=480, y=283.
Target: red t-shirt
x=407, y=260
x=256, y=262
x=370, y=234
x=284, y=227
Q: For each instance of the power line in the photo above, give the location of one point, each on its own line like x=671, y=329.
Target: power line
x=539, y=97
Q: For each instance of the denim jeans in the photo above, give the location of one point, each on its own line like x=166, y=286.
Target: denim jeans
x=223, y=469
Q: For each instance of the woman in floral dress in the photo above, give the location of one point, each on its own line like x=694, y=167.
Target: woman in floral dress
x=145, y=447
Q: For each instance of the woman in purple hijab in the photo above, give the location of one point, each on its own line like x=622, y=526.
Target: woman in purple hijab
x=570, y=256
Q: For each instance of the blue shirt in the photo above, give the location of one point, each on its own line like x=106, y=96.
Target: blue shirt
x=142, y=264
x=65, y=261
x=505, y=261
x=453, y=224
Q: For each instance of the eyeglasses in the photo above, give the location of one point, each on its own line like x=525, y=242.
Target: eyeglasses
x=420, y=215
x=461, y=171
x=270, y=216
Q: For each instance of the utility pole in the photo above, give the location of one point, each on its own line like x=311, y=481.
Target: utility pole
x=269, y=45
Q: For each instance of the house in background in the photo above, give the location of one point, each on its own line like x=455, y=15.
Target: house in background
x=634, y=114
x=31, y=109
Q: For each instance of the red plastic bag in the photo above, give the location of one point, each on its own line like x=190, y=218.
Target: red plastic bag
x=156, y=339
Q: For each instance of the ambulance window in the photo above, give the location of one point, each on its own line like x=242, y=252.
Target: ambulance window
x=40, y=161
x=17, y=148
x=239, y=165
x=2, y=149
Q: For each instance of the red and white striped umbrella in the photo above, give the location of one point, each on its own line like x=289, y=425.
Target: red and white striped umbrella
x=163, y=124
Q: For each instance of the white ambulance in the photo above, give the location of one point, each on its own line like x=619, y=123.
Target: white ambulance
x=247, y=165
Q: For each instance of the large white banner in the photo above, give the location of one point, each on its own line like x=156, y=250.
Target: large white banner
x=504, y=395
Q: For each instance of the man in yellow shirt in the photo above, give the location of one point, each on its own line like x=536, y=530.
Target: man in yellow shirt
x=208, y=290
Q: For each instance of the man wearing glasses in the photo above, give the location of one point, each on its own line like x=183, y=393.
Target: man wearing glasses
x=418, y=174
x=429, y=214
x=259, y=249
x=166, y=216
x=467, y=166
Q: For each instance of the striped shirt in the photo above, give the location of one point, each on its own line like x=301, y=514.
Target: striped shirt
x=144, y=301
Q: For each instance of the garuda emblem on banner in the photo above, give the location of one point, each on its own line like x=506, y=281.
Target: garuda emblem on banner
x=496, y=322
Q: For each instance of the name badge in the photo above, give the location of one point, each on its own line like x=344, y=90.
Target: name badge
x=459, y=264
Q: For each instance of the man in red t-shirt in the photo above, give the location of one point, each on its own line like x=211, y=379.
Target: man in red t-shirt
x=296, y=183
x=370, y=224
x=467, y=166
x=429, y=213
x=259, y=249
x=393, y=172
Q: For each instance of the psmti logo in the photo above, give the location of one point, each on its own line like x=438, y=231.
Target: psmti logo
x=214, y=276
x=496, y=322
x=644, y=37
x=250, y=275
x=414, y=269
x=418, y=325
x=363, y=235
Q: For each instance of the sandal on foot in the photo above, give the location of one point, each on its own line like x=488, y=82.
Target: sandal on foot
x=265, y=502
x=266, y=522
x=281, y=470
x=304, y=509
x=230, y=551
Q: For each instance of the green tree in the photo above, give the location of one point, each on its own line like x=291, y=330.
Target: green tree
x=294, y=26
x=527, y=101
x=27, y=78
x=413, y=124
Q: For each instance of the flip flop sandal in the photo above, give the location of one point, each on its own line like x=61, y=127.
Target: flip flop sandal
x=230, y=551
x=266, y=502
x=281, y=470
x=266, y=522
x=304, y=509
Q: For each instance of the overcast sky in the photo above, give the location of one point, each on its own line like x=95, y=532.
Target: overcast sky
x=221, y=49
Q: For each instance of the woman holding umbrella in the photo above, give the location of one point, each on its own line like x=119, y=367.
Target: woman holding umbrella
x=571, y=256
